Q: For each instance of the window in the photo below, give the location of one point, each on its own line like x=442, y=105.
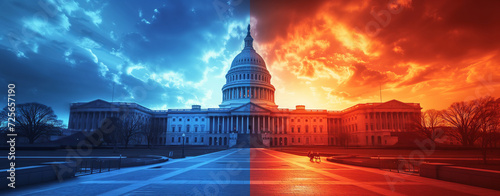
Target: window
x=187, y=128
x=195, y=129
x=180, y=119
x=173, y=119
x=188, y=119
x=292, y=120
x=298, y=129
x=179, y=139
x=202, y=139
x=314, y=129
x=195, y=139
x=196, y=119
x=172, y=139
x=293, y=140
x=299, y=139
x=292, y=129
x=173, y=129
x=320, y=120
x=314, y=120
x=187, y=140
x=179, y=128
x=202, y=119
x=321, y=129
x=307, y=128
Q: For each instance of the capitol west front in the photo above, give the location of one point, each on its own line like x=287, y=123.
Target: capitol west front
x=248, y=115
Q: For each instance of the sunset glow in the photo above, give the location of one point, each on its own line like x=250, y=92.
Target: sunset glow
x=334, y=54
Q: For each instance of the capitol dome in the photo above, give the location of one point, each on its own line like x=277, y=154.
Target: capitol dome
x=248, y=79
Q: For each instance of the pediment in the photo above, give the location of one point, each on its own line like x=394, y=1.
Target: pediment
x=96, y=104
x=250, y=107
x=394, y=104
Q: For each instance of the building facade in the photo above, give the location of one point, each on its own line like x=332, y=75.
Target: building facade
x=248, y=113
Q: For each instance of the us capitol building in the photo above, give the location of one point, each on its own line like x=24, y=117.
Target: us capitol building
x=248, y=114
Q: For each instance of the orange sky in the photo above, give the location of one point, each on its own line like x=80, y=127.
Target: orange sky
x=335, y=54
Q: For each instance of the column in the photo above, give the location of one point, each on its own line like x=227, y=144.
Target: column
x=272, y=124
x=237, y=124
x=85, y=125
x=286, y=124
x=253, y=125
x=248, y=121
x=281, y=124
x=213, y=124
x=268, y=123
x=99, y=119
x=258, y=124
x=218, y=124
x=77, y=119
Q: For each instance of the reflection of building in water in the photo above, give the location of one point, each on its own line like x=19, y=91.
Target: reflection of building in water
x=248, y=108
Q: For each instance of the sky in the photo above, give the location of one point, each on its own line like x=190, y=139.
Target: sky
x=160, y=54
x=322, y=54
x=335, y=54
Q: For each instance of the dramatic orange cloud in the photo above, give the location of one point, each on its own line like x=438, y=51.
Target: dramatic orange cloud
x=334, y=54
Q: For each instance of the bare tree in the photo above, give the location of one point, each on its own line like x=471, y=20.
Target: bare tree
x=427, y=124
x=474, y=120
x=34, y=120
x=488, y=122
x=462, y=116
x=151, y=133
x=129, y=127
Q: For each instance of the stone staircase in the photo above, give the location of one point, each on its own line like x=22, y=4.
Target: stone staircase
x=249, y=141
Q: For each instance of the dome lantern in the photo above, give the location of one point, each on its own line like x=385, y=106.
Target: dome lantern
x=248, y=40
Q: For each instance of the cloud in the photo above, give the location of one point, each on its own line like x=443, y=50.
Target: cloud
x=179, y=53
x=95, y=16
x=420, y=48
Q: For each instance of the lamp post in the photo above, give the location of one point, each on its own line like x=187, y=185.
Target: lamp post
x=183, y=138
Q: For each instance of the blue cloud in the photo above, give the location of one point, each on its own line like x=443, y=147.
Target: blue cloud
x=159, y=54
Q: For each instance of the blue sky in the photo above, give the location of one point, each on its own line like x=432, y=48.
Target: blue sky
x=160, y=54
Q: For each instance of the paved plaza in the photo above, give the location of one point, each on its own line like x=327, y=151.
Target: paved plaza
x=250, y=171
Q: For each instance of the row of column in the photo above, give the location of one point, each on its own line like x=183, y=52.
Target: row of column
x=92, y=120
x=248, y=92
x=248, y=124
x=389, y=120
x=88, y=120
x=236, y=77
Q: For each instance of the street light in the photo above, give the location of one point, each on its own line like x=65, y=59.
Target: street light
x=183, y=138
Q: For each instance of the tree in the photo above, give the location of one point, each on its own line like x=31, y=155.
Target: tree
x=488, y=122
x=129, y=127
x=427, y=124
x=106, y=133
x=34, y=120
x=463, y=117
x=473, y=120
x=151, y=133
